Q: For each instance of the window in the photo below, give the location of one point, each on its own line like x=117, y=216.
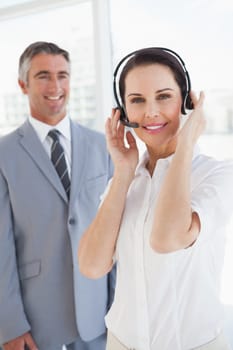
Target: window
x=70, y=24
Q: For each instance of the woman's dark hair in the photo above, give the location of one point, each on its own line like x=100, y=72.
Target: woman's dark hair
x=151, y=56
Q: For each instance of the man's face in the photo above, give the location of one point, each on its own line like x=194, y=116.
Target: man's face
x=48, y=87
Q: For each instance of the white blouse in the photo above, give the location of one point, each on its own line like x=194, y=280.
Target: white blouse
x=171, y=301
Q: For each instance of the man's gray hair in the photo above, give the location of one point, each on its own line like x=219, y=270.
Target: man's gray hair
x=36, y=49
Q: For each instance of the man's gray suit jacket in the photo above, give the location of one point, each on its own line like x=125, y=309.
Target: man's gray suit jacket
x=41, y=288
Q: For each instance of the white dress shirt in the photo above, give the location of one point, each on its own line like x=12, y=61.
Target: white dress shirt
x=63, y=127
x=171, y=301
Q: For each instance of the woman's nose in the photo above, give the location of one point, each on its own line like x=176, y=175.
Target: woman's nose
x=152, y=110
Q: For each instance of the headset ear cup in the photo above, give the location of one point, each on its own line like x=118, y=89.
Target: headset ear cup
x=189, y=102
x=123, y=117
x=183, y=111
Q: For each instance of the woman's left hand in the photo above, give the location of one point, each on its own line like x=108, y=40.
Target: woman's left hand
x=195, y=124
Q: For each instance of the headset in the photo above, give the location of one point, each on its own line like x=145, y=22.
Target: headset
x=170, y=55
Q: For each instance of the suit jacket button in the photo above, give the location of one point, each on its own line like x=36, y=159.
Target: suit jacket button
x=71, y=221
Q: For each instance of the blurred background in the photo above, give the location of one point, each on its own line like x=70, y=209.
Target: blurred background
x=98, y=33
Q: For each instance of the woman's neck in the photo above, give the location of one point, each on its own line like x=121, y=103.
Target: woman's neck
x=155, y=155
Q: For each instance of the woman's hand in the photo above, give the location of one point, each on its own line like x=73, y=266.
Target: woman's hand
x=195, y=124
x=98, y=243
x=124, y=157
x=175, y=226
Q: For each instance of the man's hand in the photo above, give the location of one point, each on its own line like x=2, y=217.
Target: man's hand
x=23, y=342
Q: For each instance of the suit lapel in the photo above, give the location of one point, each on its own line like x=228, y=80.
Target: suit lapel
x=32, y=145
x=80, y=148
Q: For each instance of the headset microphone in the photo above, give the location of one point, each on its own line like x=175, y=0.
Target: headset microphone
x=129, y=124
x=124, y=120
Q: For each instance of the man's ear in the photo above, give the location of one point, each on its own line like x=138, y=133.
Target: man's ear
x=23, y=86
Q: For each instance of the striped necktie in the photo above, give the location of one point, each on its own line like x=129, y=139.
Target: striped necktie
x=59, y=161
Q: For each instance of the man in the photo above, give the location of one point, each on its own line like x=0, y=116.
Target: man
x=45, y=302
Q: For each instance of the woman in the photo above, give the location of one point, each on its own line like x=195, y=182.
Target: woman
x=162, y=218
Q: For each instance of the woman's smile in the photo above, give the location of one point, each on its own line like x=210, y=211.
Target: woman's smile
x=154, y=128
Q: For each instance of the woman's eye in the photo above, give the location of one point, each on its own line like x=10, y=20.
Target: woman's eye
x=163, y=97
x=137, y=100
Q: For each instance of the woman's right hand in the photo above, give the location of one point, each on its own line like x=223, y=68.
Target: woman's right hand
x=125, y=157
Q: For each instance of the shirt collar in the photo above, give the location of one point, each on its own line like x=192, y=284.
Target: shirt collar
x=42, y=129
x=141, y=167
